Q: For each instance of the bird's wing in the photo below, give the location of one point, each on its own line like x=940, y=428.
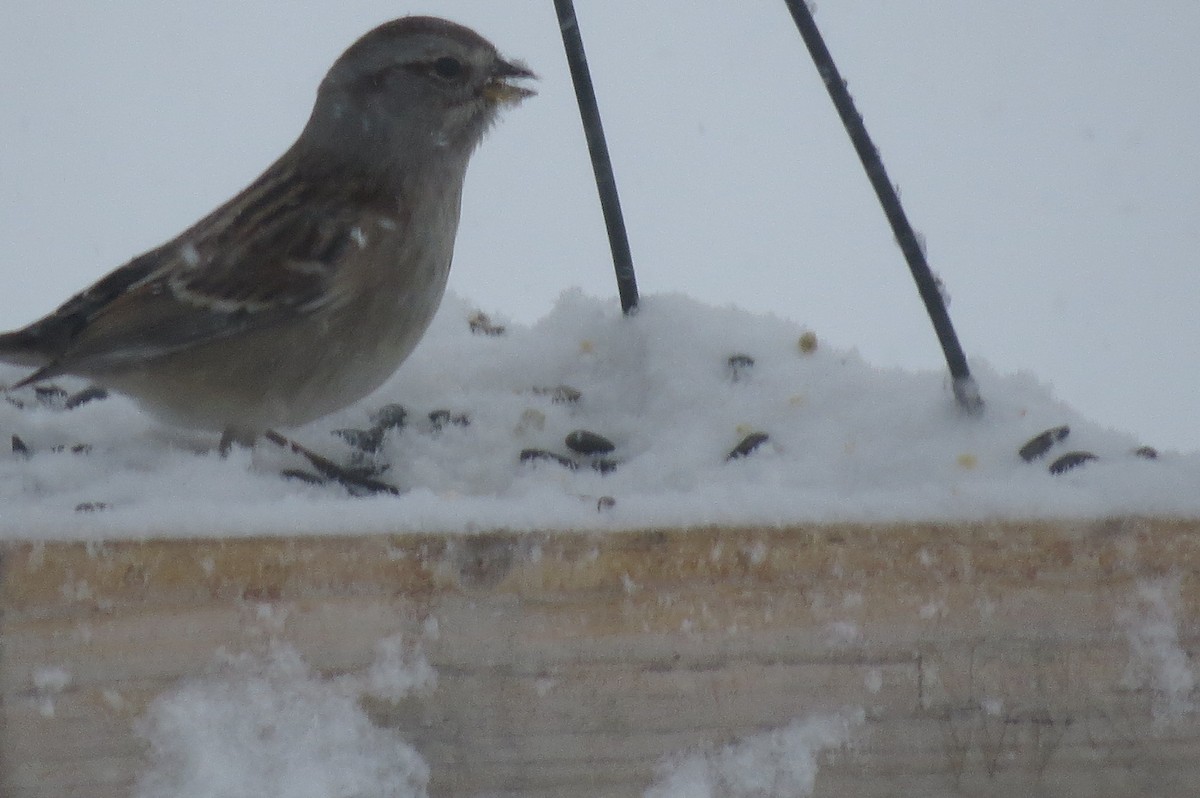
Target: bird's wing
x=214, y=281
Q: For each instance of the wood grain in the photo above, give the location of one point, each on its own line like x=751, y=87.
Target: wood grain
x=989, y=659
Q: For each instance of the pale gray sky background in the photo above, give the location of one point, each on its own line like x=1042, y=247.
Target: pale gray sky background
x=1047, y=149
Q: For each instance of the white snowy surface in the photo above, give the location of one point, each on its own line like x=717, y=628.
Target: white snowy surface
x=265, y=725
x=847, y=441
x=1157, y=661
x=1046, y=149
x=782, y=763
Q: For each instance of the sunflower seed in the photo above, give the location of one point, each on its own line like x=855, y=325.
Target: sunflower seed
x=583, y=441
x=389, y=417
x=481, y=324
x=530, y=455
x=1039, y=444
x=739, y=366
x=748, y=445
x=19, y=446
x=440, y=418
x=1070, y=460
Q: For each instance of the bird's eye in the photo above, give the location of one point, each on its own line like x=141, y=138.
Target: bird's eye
x=447, y=67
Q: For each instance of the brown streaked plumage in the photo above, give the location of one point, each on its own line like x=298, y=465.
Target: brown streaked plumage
x=307, y=290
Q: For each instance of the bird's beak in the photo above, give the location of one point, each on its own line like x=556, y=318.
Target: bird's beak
x=500, y=91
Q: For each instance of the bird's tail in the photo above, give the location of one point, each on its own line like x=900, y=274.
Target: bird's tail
x=20, y=348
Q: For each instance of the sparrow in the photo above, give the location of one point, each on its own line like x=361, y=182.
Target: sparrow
x=308, y=289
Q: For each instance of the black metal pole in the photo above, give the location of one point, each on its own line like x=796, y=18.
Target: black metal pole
x=606, y=183
x=965, y=389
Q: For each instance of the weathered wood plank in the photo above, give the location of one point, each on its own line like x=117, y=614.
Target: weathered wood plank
x=989, y=659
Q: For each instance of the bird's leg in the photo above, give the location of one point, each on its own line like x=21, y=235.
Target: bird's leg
x=331, y=470
x=233, y=435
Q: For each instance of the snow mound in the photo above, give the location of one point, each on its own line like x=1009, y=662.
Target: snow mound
x=266, y=725
x=686, y=414
x=782, y=763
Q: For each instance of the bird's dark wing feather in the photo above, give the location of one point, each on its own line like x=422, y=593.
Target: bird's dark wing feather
x=48, y=337
x=272, y=252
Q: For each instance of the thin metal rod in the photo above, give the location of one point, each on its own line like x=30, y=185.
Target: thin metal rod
x=965, y=389
x=606, y=183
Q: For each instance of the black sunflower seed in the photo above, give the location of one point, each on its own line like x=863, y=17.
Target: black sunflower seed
x=50, y=395
x=531, y=455
x=440, y=418
x=1039, y=444
x=1070, y=460
x=740, y=365
x=748, y=445
x=582, y=441
x=605, y=465
x=366, y=440
x=481, y=324
x=389, y=417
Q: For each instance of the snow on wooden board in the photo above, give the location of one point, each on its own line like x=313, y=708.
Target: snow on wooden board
x=685, y=414
x=985, y=659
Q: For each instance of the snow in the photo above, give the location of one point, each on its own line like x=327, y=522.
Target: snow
x=1157, y=661
x=1058, y=194
x=782, y=763
x=1046, y=150
x=49, y=681
x=264, y=724
x=845, y=441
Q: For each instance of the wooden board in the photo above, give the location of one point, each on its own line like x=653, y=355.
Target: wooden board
x=989, y=659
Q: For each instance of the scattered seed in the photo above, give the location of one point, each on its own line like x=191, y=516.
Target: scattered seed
x=1070, y=460
x=559, y=394
x=748, y=445
x=366, y=440
x=389, y=416
x=740, y=365
x=19, y=447
x=50, y=395
x=1039, y=444
x=89, y=394
x=1146, y=452
x=529, y=455
x=481, y=324
x=440, y=418
x=91, y=507
x=807, y=342
x=78, y=448
x=582, y=441
x=605, y=503
x=605, y=465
